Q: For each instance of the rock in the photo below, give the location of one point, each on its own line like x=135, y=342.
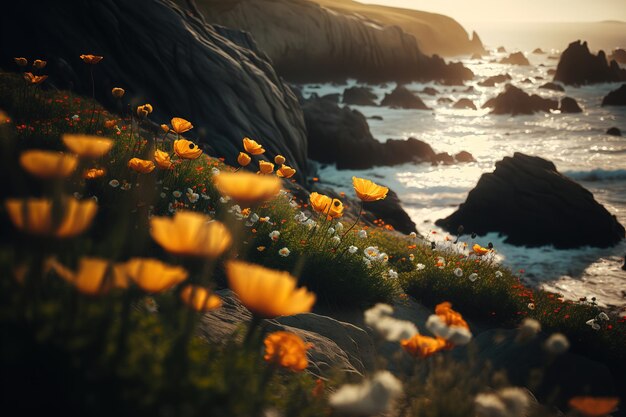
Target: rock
x=464, y=103
x=516, y=58
x=501, y=49
x=489, y=104
x=464, y=157
x=618, y=55
x=402, y=98
x=530, y=202
x=616, y=97
x=336, y=344
x=359, y=96
x=527, y=81
x=551, y=71
x=311, y=43
x=495, y=79
x=391, y=212
x=165, y=56
x=552, y=86
x=334, y=97
x=538, y=51
x=430, y=91
x=443, y=158
x=341, y=136
x=538, y=77
x=569, y=105
x=614, y=131
x=469, y=89
x=476, y=56
x=578, y=66
x=375, y=117
x=444, y=100
x=515, y=101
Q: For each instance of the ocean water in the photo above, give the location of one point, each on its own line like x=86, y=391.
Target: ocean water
x=576, y=143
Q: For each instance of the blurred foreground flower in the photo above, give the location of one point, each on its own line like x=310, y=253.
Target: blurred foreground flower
x=423, y=346
x=594, y=406
x=93, y=173
x=86, y=146
x=48, y=164
x=94, y=276
x=186, y=149
x=507, y=402
x=191, y=234
x=39, y=216
x=367, y=190
x=380, y=319
x=247, y=189
x=141, y=166
x=267, y=293
x=371, y=397
x=252, y=147
x=287, y=350
x=556, y=344
x=152, y=275
x=180, y=125
x=199, y=298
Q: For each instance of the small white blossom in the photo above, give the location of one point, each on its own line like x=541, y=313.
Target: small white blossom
x=274, y=235
x=383, y=257
x=411, y=257
x=498, y=274
x=192, y=197
x=205, y=196
x=556, y=344
x=362, y=234
x=224, y=199
x=125, y=186
x=78, y=195
x=335, y=240
x=215, y=171
x=603, y=316
x=419, y=267
x=473, y=277
x=458, y=272
x=371, y=397
x=412, y=235
x=293, y=204
x=339, y=227
x=75, y=117
x=163, y=195
x=331, y=231
x=594, y=325
x=393, y=274
x=391, y=329
x=284, y=252
x=150, y=305
x=531, y=306
x=371, y=252
x=456, y=335
x=300, y=217
x=114, y=183
x=252, y=218
x=177, y=194
x=353, y=249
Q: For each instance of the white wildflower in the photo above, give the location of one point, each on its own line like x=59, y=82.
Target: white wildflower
x=331, y=231
x=353, y=249
x=150, y=305
x=205, y=196
x=125, y=186
x=458, y=272
x=603, y=316
x=114, y=183
x=528, y=330
x=252, y=218
x=284, y=252
x=293, y=204
x=274, y=235
x=335, y=240
x=456, y=335
x=383, y=257
x=473, y=277
x=412, y=235
x=420, y=266
x=593, y=323
x=339, y=227
x=224, y=199
x=362, y=234
x=531, y=306
x=177, y=194
x=215, y=171
x=371, y=397
x=371, y=252
x=192, y=197
x=411, y=257
x=75, y=117
x=498, y=274
x=557, y=343
x=300, y=217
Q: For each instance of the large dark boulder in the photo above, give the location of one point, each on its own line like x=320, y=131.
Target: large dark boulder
x=391, y=212
x=311, y=43
x=614, y=131
x=569, y=105
x=464, y=103
x=161, y=54
x=402, y=98
x=359, y=96
x=578, y=66
x=342, y=136
x=495, y=79
x=515, y=101
x=552, y=86
x=530, y=202
x=516, y=58
x=616, y=97
x=538, y=51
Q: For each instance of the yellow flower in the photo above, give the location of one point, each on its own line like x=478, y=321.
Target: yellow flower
x=48, y=164
x=142, y=111
x=141, y=166
x=148, y=107
x=86, y=146
x=94, y=276
x=190, y=234
x=39, y=217
x=267, y=293
x=479, y=250
x=162, y=159
x=118, y=92
x=366, y=190
x=243, y=159
x=279, y=159
x=246, y=188
x=285, y=171
x=181, y=125
x=165, y=128
x=266, y=167
x=423, y=346
x=186, y=149
x=252, y=147
x=39, y=63
x=287, y=350
x=91, y=59
x=93, y=173
x=34, y=79
x=22, y=62
x=200, y=299
x=152, y=275
x=323, y=204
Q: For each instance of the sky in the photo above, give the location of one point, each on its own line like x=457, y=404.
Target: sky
x=469, y=12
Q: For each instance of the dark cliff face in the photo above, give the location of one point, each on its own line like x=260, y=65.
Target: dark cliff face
x=578, y=66
x=214, y=77
x=309, y=43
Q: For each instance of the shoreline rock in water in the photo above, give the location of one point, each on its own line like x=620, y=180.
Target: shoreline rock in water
x=616, y=97
x=578, y=66
x=402, y=98
x=530, y=202
x=514, y=101
x=516, y=58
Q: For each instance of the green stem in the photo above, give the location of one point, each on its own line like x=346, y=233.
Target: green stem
x=355, y=222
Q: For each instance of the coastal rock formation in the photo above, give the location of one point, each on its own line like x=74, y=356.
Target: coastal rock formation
x=538, y=51
x=516, y=58
x=464, y=156
x=337, y=344
x=444, y=100
x=515, y=101
x=402, y=98
x=310, y=43
x=359, y=96
x=578, y=66
x=552, y=86
x=530, y=202
x=616, y=97
x=495, y=79
x=501, y=49
x=614, y=131
x=464, y=103
x=618, y=55
x=430, y=91
x=212, y=76
x=569, y=105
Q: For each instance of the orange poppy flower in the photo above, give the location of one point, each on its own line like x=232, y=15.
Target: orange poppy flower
x=594, y=406
x=479, y=250
x=141, y=166
x=247, y=189
x=449, y=316
x=163, y=160
x=94, y=276
x=186, y=149
x=244, y=159
x=285, y=171
x=423, y=346
x=87, y=146
x=266, y=167
x=252, y=147
x=93, y=173
x=20, y=61
x=152, y=275
x=287, y=350
x=39, y=63
x=34, y=79
x=200, y=299
x=118, y=92
x=48, y=164
x=279, y=160
x=367, y=190
x=180, y=125
x=91, y=59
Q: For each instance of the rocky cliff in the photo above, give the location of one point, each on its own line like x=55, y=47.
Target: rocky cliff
x=309, y=43
x=161, y=54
